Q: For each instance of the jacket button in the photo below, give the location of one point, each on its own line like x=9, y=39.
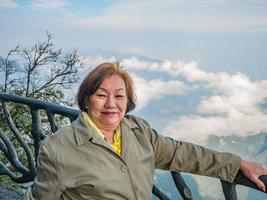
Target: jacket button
x=123, y=168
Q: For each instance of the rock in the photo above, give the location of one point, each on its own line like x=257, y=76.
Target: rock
x=7, y=193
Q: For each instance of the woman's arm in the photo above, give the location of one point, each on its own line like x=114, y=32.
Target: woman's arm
x=180, y=156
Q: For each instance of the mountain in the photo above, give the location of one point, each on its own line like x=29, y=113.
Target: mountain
x=118, y=55
x=252, y=147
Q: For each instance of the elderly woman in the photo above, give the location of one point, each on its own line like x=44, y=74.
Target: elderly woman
x=106, y=154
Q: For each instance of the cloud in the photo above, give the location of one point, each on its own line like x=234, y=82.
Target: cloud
x=95, y=61
x=178, y=15
x=232, y=106
x=48, y=4
x=8, y=4
x=173, y=68
x=196, y=128
x=149, y=90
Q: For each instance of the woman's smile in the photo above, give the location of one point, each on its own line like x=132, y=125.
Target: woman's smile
x=109, y=114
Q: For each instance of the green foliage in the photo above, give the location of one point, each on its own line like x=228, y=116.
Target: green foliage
x=5, y=180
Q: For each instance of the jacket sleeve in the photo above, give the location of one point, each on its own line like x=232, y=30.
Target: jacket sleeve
x=47, y=184
x=187, y=157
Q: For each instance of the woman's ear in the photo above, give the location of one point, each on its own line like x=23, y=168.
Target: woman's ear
x=86, y=102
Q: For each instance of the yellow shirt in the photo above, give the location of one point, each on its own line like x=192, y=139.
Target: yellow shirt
x=116, y=137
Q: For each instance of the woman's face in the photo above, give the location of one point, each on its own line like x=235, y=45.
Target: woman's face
x=107, y=106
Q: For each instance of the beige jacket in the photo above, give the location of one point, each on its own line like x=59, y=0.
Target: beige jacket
x=78, y=164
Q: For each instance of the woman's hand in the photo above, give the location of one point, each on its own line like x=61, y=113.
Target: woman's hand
x=253, y=171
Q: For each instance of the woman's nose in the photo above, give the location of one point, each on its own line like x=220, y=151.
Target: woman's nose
x=110, y=102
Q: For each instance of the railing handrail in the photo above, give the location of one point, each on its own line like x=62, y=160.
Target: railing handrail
x=40, y=104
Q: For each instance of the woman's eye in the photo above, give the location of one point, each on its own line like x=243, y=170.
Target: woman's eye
x=101, y=95
x=119, y=96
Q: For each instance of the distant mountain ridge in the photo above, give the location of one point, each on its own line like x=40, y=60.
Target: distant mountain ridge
x=264, y=147
x=250, y=147
x=118, y=55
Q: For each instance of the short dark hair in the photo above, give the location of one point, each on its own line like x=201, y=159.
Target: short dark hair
x=94, y=79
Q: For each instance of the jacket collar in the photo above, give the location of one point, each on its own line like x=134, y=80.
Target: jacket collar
x=82, y=133
x=129, y=123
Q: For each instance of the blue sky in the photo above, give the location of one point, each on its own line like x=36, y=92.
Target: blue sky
x=195, y=63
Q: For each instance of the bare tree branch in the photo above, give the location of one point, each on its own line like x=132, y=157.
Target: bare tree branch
x=8, y=67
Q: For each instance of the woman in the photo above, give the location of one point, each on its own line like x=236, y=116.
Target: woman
x=106, y=154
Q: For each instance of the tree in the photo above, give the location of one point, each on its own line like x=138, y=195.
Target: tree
x=8, y=67
x=41, y=72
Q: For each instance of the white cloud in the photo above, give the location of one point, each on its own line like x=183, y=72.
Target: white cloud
x=149, y=90
x=97, y=60
x=196, y=128
x=48, y=4
x=173, y=68
x=177, y=15
x=7, y=4
x=233, y=106
x=136, y=64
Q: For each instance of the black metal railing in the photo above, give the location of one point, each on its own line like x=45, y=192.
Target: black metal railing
x=40, y=110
